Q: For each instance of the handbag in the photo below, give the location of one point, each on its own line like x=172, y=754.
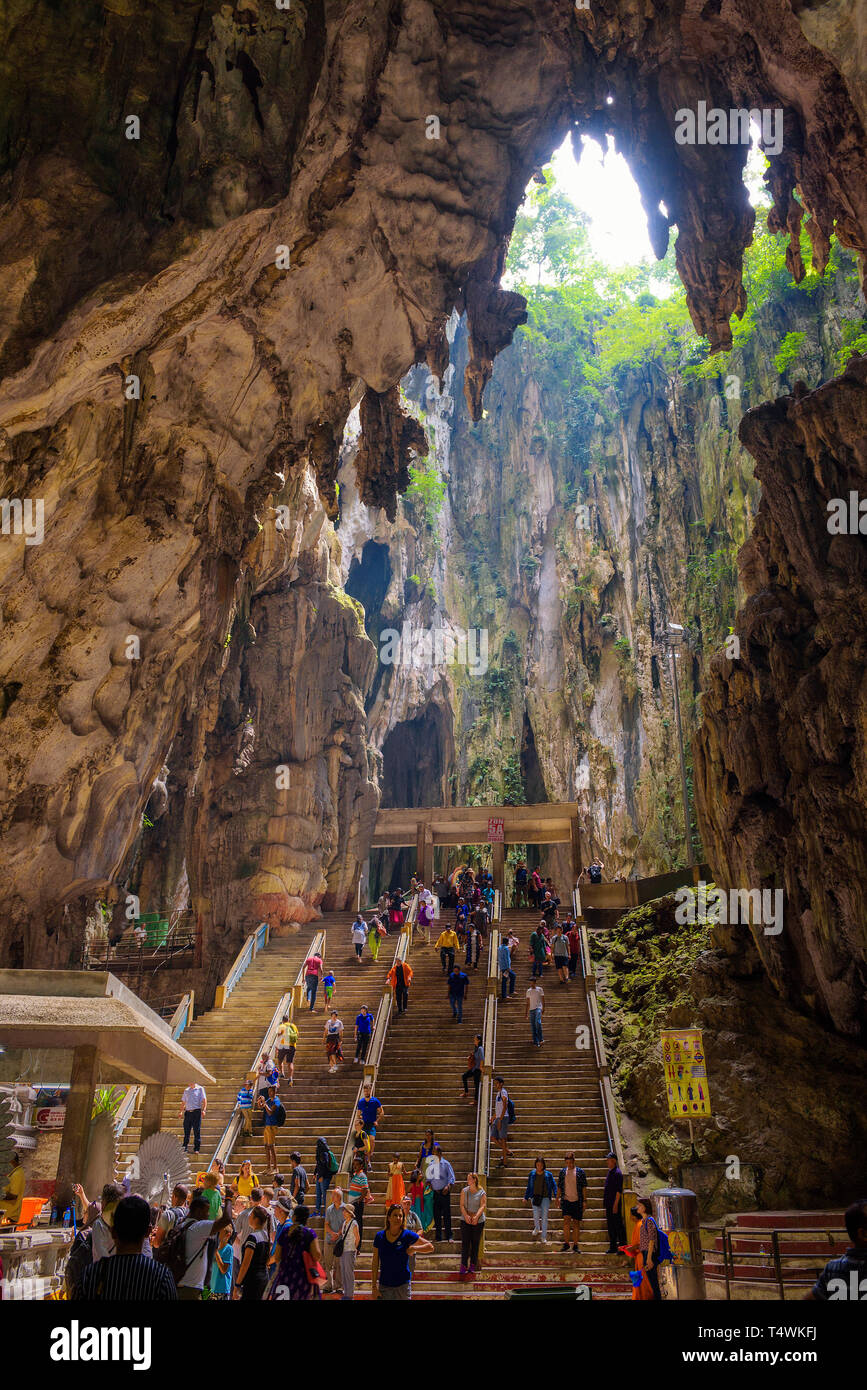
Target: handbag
x=340, y=1243
x=315, y=1273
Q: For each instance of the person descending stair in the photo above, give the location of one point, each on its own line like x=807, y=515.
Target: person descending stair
x=332, y=1035
x=571, y=1186
x=358, y=933
x=540, y=1192
x=447, y=944
x=458, y=987
x=533, y=1011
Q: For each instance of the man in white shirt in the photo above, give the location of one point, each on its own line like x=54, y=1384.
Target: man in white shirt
x=359, y=935
x=197, y=1233
x=193, y=1111
x=500, y=1119
x=533, y=1011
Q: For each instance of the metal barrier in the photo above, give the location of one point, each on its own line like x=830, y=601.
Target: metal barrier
x=287, y=1005
x=245, y=957
x=836, y=1237
x=377, y=1041
x=609, y=1108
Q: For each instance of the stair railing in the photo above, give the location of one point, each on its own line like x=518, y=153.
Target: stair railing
x=609, y=1108
x=377, y=1041
x=489, y=1043
x=183, y=1015
x=482, y=1155
x=245, y=957
x=127, y=1109
x=287, y=1005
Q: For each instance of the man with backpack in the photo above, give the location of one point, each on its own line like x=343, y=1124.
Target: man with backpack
x=274, y=1116
x=287, y=1041
x=503, y=1116
x=596, y=870
x=171, y=1216
x=185, y=1250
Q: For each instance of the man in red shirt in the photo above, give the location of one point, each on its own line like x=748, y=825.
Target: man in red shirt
x=312, y=974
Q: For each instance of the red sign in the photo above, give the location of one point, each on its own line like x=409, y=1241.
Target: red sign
x=51, y=1117
x=495, y=829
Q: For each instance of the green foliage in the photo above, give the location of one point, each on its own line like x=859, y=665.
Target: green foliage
x=790, y=349
x=513, y=782
x=854, y=340
x=497, y=690
x=426, y=494
x=107, y=1100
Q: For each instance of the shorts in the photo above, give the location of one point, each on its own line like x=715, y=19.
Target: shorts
x=269, y=1134
x=500, y=1127
x=573, y=1209
x=286, y=1054
x=370, y=1129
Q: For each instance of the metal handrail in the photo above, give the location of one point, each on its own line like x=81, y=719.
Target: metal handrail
x=126, y=1109
x=609, y=1108
x=286, y=1006
x=183, y=1015
x=489, y=1043
x=773, y=1258
x=245, y=957
x=377, y=1041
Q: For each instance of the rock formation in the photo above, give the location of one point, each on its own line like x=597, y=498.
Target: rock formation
x=780, y=757
x=224, y=226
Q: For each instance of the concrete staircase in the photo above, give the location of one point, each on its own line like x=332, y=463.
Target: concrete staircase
x=318, y=1103
x=224, y=1041
x=420, y=1088
x=556, y=1094
x=555, y=1090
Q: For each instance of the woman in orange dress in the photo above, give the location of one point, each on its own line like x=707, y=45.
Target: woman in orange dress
x=394, y=1192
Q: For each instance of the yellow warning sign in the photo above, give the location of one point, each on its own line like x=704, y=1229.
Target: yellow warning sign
x=685, y=1069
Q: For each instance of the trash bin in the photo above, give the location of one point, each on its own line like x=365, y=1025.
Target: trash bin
x=675, y=1211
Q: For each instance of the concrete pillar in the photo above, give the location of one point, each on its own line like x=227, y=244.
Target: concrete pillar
x=500, y=868
x=152, y=1111
x=575, y=836
x=76, y=1127
x=428, y=857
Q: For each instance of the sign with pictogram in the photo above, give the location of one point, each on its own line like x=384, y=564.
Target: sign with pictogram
x=685, y=1067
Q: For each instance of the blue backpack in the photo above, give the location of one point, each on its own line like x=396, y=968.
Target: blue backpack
x=664, y=1251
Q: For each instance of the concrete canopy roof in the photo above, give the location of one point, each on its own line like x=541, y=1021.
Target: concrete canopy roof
x=69, y=1008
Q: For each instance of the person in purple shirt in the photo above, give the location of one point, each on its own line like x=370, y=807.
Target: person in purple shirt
x=612, y=1201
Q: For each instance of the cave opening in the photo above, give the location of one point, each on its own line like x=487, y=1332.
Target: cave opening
x=414, y=768
x=368, y=581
